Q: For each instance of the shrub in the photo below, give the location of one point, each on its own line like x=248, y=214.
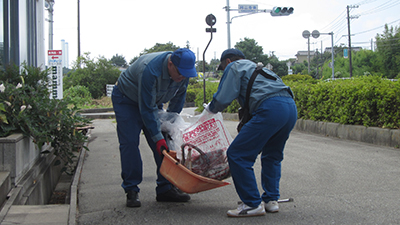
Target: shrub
x=25, y=107
x=299, y=78
x=93, y=74
x=367, y=100
x=190, y=95
x=78, y=95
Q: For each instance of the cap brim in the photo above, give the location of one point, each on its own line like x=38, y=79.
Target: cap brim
x=188, y=72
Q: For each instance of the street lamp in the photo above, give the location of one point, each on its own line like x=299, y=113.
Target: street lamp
x=210, y=20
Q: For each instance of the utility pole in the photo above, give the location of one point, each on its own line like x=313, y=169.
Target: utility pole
x=49, y=6
x=228, y=19
x=372, y=44
x=306, y=34
x=348, y=28
x=333, y=57
x=79, y=31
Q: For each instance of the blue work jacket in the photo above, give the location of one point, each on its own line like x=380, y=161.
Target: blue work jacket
x=233, y=85
x=148, y=83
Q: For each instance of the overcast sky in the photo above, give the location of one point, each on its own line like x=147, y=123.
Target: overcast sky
x=127, y=27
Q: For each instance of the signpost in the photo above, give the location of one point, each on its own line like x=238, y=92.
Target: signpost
x=316, y=34
x=56, y=76
x=248, y=8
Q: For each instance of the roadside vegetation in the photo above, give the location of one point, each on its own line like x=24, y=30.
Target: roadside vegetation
x=25, y=107
x=370, y=97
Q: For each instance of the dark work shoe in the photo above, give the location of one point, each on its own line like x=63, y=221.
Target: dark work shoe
x=173, y=195
x=132, y=199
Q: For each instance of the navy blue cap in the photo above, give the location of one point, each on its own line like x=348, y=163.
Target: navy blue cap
x=229, y=53
x=184, y=59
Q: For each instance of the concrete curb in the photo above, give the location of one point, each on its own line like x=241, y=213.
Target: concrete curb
x=372, y=135
x=73, y=204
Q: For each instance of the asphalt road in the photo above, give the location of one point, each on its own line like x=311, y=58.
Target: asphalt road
x=332, y=181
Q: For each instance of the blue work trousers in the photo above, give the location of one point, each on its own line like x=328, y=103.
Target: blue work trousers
x=129, y=127
x=265, y=133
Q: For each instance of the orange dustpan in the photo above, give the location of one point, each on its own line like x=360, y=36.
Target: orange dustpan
x=184, y=179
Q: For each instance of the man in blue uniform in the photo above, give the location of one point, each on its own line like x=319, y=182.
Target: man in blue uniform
x=140, y=92
x=274, y=115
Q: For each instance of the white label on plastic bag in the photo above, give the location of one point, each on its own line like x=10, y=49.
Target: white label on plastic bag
x=209, y=135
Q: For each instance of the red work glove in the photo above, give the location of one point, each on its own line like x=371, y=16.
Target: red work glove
x=161, y=145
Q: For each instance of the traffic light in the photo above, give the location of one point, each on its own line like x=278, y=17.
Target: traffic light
x=281, y=11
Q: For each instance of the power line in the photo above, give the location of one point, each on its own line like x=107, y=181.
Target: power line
x=366, y=2
x=381, y=7
x=376, y=28
x=339, y=17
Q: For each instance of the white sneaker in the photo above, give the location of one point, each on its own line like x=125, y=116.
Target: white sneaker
x=272, y=207
x=244, y=210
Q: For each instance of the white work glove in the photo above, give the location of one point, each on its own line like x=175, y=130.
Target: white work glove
x=207, y=107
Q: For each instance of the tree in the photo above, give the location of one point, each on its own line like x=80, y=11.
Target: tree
x=199, y=67
x=388, y=48
x=279, y=67
x=94, y=75
x=300, y=68
x=161, y=48
x=251, y=50
x=254, y=52
x=214, y=63
x=119, y=60
x=157, y=48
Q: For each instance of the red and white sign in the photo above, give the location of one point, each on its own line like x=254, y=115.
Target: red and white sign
x=54, y=54
x=55, y=63
x=55, y=57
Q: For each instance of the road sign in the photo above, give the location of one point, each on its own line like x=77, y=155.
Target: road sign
x=211, y=20
x=306, y=34
x=248, y=8
x=56, y=75
x=315, y=34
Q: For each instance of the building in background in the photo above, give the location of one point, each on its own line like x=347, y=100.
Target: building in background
x=22, y=33
x=302, y=56
x=65, y=57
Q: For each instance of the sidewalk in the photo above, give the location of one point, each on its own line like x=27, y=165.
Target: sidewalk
x=331, y=180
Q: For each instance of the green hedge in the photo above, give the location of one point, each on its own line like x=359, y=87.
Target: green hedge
x=367, y=100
